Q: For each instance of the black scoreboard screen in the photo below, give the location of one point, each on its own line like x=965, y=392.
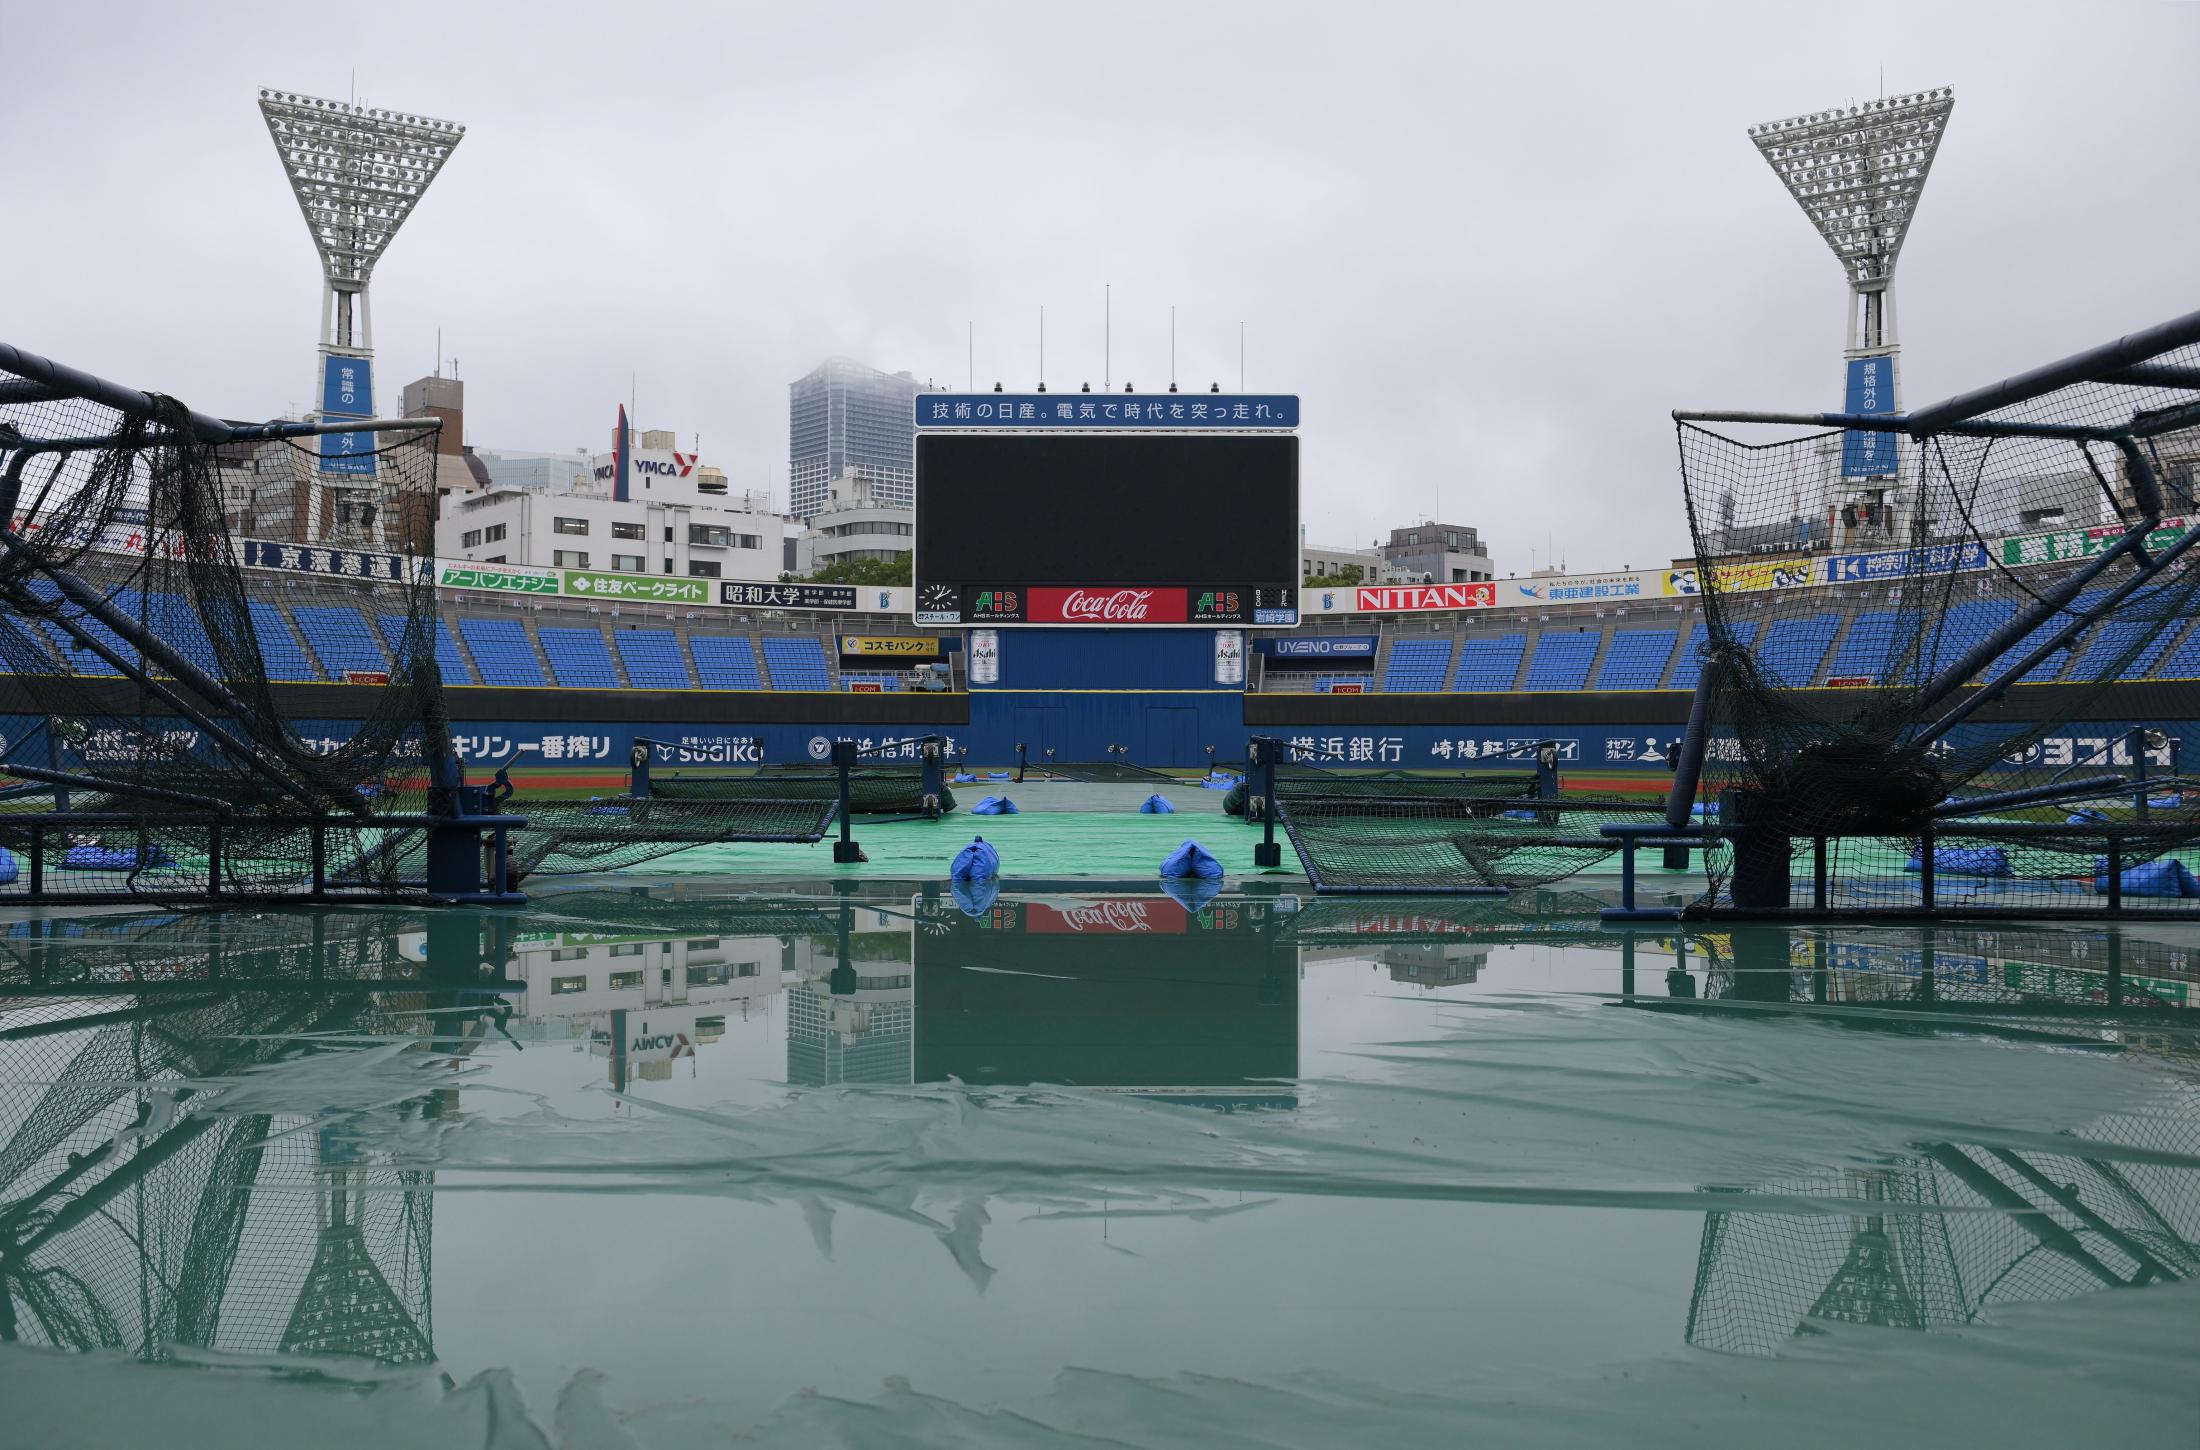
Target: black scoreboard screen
x=1151, y=529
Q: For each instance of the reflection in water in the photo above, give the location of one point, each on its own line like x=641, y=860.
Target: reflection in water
x=144, y=1207
x=156, y=1192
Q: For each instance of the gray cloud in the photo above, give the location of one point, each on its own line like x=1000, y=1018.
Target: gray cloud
x=1492, y=247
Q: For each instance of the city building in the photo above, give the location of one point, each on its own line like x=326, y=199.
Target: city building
x=853, y=524
x=680, y=517
x=557, y=472
x=1439, y=554
x=847, y=419
x=1329, y=561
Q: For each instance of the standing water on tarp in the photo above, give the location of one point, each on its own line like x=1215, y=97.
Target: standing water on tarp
x=871, y=1166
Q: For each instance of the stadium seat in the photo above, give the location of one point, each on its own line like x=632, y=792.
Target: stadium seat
x=501, y=648
x=653, y=660
x=2182, y=663
x=1489, y=664
x=280, y=651
x=1417, y=665
x=725, y=662
x=884, y=682
x=796, y=662
x=1965, y=626
x=2122, y=634
x=78, y=659
x=448, y=657
x=1793, y=649
x=2052, y=667
x=177, y=624
x=1636, y=660
x=23, y=650
x=578, y=656
x=1689, y=667
x=1875, y=647
x=1562, y=661
x=341, y=637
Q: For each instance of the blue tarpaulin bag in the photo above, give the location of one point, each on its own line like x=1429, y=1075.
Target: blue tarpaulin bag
x=975, y=861
x=114, y=858
x=1190, y=859
x=2153, y=878
x=1965, y=861
x=995, y=805
x=962, y=777
x=1156, y=804
x=2086, y=818
x=997, y=775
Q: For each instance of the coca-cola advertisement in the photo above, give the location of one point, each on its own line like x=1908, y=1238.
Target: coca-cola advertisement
x=1107, y=916
x=1107, y=604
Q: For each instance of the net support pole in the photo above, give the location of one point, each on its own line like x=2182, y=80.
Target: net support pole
x=2139, y=804
x=932, y=773
x=845, y=850
x=637, y=779
x=1260, y=794
x=1688, y=761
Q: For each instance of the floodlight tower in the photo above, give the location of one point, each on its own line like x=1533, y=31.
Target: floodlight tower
x=1857, y=172
x=357, y=174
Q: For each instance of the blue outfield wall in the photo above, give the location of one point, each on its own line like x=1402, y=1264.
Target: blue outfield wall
x=1183, y=722
x=1160, y=698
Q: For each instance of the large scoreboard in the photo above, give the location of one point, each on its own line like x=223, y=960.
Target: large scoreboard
x=1112, y=529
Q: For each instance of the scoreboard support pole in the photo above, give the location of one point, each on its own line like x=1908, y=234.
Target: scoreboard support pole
x=1260, y=796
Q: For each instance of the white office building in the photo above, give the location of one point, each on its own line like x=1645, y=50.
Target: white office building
x=680, y=517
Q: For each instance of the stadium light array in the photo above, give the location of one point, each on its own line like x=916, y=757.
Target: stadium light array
x=357, y=172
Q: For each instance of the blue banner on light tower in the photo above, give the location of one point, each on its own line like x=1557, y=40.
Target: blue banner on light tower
x=347, y=391
x=1069, y=412
x=1871, y=391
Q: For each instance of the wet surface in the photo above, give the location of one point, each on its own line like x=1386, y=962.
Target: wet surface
x=871, y=1166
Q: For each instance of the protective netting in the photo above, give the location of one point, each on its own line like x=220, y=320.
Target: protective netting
x=1939, y=1237
x=207, y=555
x=1462, y=833
x=778, y=805
x=1863, y=605
x=607, y=834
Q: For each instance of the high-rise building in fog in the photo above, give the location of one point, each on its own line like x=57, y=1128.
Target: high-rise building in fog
x=847, y=418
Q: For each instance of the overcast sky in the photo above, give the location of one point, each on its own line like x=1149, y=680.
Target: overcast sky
x=1491, y=248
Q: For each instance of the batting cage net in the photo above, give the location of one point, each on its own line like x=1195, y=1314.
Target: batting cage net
x=1475, y=833
x=1961, y=652
x=157, y=591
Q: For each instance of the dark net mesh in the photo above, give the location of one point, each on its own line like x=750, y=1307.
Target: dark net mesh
x=199, y=552
x=1855, y=612
x=1484, y=832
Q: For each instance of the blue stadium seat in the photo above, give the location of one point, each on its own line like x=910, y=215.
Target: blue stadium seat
x=1793, y=649
x=448, y=659
x=280, y=651
x=1965, y=626
x=79, y=660
x=1636, y=660
x=796, y=662
x=1489, y=664
x=578, y=656
x=2183, y=663
x=501, y=649
x=176, y=623
x=1417, y=665
x=653, y=660
x=1689, y=667
x=22, y=649
x=883, y=681
x=2123, y=633
x=342, y=638
x=1875, y=647
x=725, y=662
x=2052, y=667
x=1562, y=661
